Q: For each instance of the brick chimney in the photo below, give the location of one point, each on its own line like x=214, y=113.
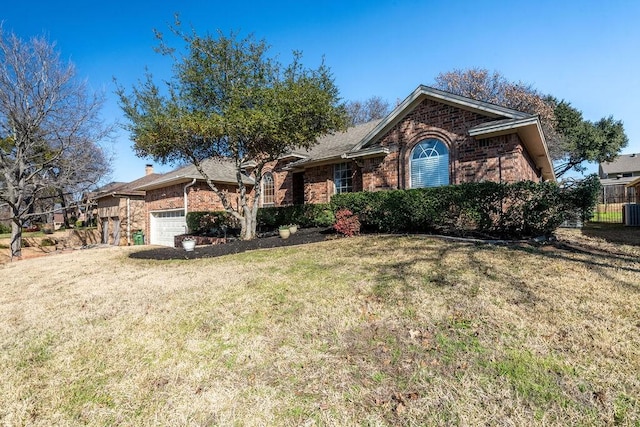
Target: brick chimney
x=148, y=169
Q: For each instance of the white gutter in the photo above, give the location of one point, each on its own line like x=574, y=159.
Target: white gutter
x=367, y=152
x=186, y=210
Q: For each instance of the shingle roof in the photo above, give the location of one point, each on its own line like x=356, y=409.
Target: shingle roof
x=107, y=188
x=126, y=188
x=218, y=170
x=335, y=145
x=623, y=163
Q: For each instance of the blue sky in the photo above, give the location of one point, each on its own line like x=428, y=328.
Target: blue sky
x=587, y=52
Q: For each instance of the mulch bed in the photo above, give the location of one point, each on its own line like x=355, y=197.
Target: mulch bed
x=303, y=236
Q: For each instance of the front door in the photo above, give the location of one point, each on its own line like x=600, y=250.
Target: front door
x=298, y=188
x=116, y=231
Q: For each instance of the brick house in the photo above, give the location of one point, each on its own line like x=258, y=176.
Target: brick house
x=432, y=138
x=120, y=209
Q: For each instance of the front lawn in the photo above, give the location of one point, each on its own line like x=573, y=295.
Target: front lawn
x=361, y=331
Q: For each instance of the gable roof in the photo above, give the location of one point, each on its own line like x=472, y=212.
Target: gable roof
x=623, y=163
x=508, y=121
x=423, y=92
x=219, y=170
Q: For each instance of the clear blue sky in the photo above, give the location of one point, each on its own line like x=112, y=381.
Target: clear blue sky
x=587, y=52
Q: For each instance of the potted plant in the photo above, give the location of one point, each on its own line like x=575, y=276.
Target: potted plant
x=284, y=231
x=293, y=228
x=189, y=244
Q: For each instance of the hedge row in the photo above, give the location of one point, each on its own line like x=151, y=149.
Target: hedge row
x=209, y=222
x=518, y=210
x=312, y=215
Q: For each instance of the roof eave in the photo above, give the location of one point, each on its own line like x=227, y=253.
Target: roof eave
x=532, y=137
x=183, y=179
x=633, y=183
x=315, y=162
x=367, y=153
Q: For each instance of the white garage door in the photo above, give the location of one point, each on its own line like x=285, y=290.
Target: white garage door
x=165, y=225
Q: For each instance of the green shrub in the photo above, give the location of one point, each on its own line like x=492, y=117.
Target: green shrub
x=47, y=242
x=209, y=221
x=518, y=210
x=583, y=196
x=5, y=229
x=312, y=215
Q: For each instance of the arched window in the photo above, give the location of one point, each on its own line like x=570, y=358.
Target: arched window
x=429, y=164
x=268, y=190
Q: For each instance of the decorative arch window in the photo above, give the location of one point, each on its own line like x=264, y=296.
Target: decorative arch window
x=268, y=190
x=429, y=164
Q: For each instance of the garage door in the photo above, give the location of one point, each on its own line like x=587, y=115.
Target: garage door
x=165, y=225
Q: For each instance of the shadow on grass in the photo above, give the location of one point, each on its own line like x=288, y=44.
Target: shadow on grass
x=613, y=233
x=444, y=275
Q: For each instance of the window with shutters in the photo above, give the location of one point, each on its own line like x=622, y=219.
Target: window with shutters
x=429, y=164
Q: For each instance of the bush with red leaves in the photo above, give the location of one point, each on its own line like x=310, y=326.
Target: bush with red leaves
x=347, y=223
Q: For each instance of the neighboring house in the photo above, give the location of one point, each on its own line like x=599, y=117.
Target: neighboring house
x=120, y=209
x=616, y=176
x=432, y=138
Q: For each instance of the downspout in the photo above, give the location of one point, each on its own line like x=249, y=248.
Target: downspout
x=128, y=221
x=186, y=210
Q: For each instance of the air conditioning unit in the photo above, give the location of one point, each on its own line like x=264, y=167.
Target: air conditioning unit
x=631, y=214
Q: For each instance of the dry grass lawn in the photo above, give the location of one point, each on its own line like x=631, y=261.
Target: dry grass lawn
x=360, y=331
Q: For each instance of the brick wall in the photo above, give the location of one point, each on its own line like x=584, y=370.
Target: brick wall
x=471, y=160
x=282, y=181
x=496, y=159
x=199, y=197
x=319, y=185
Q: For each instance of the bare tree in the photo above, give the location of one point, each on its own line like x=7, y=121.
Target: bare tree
x=571, y=139
x=49, y=129
x=364, y=111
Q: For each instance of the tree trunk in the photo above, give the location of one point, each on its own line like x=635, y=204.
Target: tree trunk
x=248, y=225
x=63, y=205
x=16, y=239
